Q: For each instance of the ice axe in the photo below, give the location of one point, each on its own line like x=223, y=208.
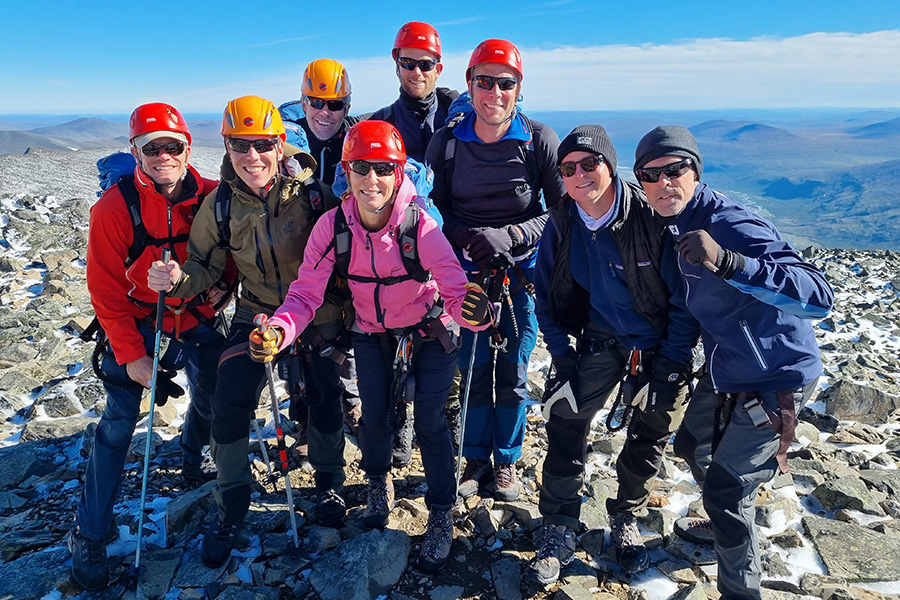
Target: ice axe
x=260, y=321
x=160, y=308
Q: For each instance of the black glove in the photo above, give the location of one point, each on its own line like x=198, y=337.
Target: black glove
x=667, y=379
x=489, y=243
x=475, y=305
x=699, y=248
x=166, y=388
x=565, y=367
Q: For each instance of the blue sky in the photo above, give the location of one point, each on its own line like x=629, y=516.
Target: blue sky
x=107, y=57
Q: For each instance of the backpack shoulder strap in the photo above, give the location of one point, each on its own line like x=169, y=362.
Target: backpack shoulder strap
x=343, y=242
x=316, y=197
x=133, y=205
x=408, y=238
x=223, y=214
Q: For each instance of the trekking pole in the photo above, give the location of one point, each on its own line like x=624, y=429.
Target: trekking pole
x=260, y=322
x=160, y=308
x=465, y=408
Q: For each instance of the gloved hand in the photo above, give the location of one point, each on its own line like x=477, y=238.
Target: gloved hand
x=565, y=366
x=488, y=243
x=667, y=378
x=264, y=344
x=166, y=388
x=475, y=305
x=564, y=369
x=699, y=248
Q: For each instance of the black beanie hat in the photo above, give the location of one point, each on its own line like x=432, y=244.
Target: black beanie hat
x=588, y=138
x=668, y=140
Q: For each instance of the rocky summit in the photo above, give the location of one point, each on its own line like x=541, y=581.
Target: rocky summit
x=829, y=529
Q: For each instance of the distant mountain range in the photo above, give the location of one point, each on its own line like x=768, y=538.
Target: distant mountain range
x=825, y=176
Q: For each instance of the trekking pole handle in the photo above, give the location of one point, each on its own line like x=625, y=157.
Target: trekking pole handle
x=261, y=321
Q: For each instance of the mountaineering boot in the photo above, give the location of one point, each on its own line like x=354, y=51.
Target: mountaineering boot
x=218, y=541
x=508, y=487
x=380, y=501
x=555, y=549
x=401, y=453
x=630, y=550
x=90, y=567
x=473, y=476
x=436, y=544
x=331, y=510
x=694, y=530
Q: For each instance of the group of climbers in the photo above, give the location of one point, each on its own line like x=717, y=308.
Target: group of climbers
x=382, y=309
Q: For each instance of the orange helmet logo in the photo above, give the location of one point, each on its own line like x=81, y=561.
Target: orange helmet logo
x=248, y=122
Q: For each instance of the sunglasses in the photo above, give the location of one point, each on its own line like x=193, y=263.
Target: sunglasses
x=242, y=146
x=588, y=164
x=487, y=82
x=410, y=64
x=172, y=148
x=333, y=105
x=673, y=171
x=362, y=167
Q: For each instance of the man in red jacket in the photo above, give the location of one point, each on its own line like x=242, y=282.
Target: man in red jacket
x=129, y=227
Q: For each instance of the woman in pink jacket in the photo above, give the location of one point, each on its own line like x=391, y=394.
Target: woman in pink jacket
x=400, y=333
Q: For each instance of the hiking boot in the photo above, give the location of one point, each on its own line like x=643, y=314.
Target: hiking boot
x=694, y=530
x=379, y=503
x=218, y=541
x=473, y=476
x=630, y=550
x=330, y=509
x=452, y=415
x=194, y=473
x=90, y=567
x=352, y=415
x=401, y=454
x=508, y=487
x=555, y=549
x=435, y=552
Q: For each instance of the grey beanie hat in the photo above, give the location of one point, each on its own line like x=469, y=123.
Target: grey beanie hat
x=668, y=140
x=588, y=138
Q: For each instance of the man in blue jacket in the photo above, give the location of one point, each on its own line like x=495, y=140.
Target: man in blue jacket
x=753, y=296
x=607, y=275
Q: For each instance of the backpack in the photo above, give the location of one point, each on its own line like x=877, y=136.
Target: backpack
x=407, y=240
x=141, y=239
x=111, y=168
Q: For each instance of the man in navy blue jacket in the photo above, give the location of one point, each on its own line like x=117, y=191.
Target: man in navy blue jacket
x=607, y=275
x=421, y=108
x=753, y=296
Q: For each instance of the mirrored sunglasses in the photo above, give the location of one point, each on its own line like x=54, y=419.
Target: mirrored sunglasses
x=362, y=167
x=410, y=64
x=673, y=171
x=333, y=105
x=242, y=146
x=487, y=82
x=172, y=148
x=588, y=164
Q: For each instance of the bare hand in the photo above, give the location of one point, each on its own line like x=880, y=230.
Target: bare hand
x=141, y=371
x=162, y=277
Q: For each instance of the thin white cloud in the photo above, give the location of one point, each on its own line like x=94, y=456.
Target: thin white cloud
x=284, y=41
x=460, y=21
x=814, y=70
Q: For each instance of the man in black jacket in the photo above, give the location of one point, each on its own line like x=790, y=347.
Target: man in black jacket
x=421, y=108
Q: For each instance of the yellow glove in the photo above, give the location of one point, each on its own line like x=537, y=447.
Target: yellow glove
x=264, y=344
x=475, y=305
